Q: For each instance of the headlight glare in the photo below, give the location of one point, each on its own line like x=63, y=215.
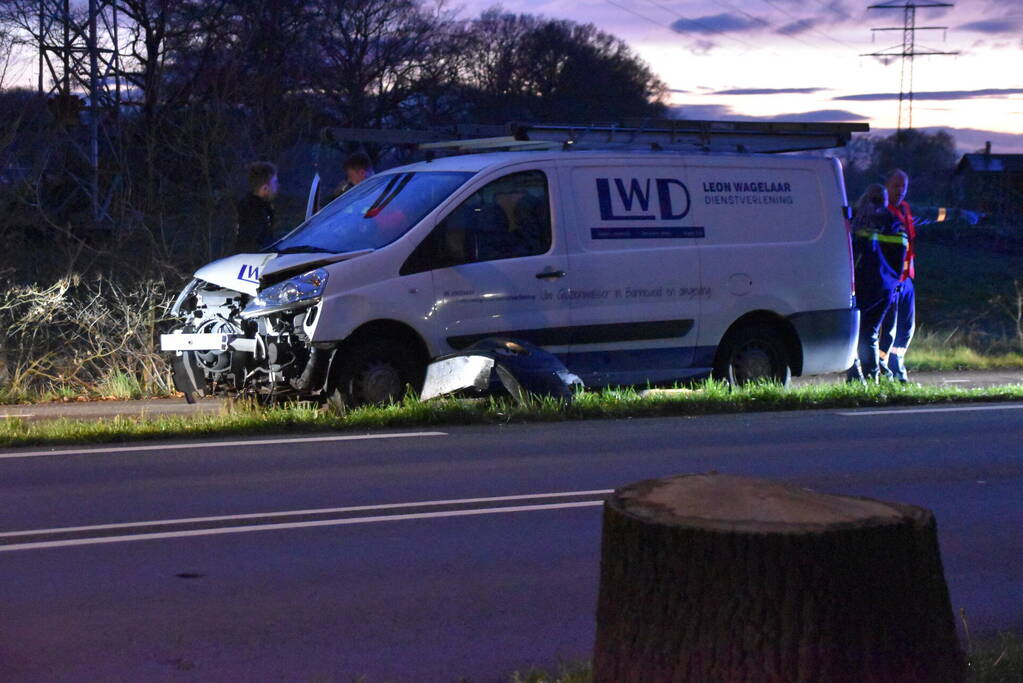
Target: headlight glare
x=305, y=287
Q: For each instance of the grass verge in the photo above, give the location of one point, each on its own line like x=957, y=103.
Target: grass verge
x=709, y=397
x=960, y=358
x=999, y=660
x=932, y=351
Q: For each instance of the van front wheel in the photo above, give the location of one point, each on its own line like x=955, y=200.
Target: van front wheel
x=372, y=373
x=751, y=353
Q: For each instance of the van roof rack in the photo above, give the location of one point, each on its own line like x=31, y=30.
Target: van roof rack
x=631, y=134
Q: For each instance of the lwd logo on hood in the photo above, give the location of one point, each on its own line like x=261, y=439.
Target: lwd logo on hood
x=239, y=273
x=673, y=200
x=249, y=273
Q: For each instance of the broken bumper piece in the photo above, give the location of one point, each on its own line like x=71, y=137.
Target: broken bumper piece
x=206, y=342
x=498, y=365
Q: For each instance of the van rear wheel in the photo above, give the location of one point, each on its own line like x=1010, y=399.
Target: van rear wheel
x=751, y=353
x=373, y=373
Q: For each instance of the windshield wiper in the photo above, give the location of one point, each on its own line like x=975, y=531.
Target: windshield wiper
x=305, y=249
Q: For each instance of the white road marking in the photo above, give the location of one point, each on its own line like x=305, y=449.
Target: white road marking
x=312, y=511
x=10, y=415
x=955, y=381
x=292, y=525
x=957, y=409
x=220, y=444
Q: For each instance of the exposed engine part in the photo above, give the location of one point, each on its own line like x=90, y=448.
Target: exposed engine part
x=276, y=357
x=314, y=370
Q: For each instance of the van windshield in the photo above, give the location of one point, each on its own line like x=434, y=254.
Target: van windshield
x=373, y=213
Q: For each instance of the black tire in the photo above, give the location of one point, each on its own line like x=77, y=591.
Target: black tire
x=366, y=373
x=751, y=353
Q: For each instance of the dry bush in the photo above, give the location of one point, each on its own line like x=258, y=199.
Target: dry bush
x=82, y=336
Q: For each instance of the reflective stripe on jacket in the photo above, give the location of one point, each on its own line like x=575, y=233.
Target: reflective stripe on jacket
x=879, y=250
x=905, y=218
x=899, y=238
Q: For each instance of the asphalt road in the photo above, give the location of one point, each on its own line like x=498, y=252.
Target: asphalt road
x=91, y=410
x=280, y=579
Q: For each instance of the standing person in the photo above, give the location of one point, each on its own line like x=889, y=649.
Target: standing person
x=357, y=168
x=256, y=220
x=879, y=249
x=900, y=322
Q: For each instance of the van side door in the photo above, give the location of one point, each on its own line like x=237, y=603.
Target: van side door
x=495, y=260
x=634, y=280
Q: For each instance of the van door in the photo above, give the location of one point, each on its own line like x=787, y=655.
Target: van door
x=496, y=262
x=633, y=273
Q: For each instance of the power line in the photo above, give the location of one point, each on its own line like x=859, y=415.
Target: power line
x=811, y=28
x=641, y=16
x=721, y=3
x=706, y=26
x=669, y=26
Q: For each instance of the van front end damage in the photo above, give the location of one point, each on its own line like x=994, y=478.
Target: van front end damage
x=257, y=343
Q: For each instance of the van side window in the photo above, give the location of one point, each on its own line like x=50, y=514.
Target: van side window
x=507, y=218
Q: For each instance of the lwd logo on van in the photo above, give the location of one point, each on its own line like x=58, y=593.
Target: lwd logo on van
x=249, y=274
x=633, y=203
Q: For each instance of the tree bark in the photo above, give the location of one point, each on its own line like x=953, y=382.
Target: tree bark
x=716, y=578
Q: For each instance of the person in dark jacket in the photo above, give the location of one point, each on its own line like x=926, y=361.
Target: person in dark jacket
x=900, y=322
x=879, y=249
x=256, y=220
x=358, y=167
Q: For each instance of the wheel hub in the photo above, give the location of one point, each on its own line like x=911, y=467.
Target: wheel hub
x=752, y=362
x=381, y=383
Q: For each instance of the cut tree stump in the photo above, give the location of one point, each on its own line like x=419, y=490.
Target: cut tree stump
x=709, y=578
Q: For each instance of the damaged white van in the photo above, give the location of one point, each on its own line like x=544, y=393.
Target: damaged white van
x=632, y=267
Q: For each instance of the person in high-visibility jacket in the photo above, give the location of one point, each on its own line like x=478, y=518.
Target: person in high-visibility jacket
x=899, y=323
x=879, y=249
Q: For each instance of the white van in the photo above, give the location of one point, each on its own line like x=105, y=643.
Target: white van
x=632, y=267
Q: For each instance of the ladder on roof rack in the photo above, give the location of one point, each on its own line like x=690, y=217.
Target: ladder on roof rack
x=661, y=134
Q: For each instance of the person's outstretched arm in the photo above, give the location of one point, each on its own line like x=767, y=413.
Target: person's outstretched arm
x=927, y=215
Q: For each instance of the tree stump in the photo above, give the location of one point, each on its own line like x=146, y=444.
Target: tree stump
x=709, y=578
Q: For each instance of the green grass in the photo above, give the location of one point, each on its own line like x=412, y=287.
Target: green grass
x=574, y=672
x=966, y=294
x=707, y=398
x=998, y=660
x=120, y=385
x=930, y=352
x=965, y=289
x=959, y=271
x=117, y=385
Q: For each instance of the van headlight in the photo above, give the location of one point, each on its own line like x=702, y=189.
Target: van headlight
x=304, y=289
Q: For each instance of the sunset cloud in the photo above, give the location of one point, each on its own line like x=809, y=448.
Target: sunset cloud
x=941, y=95
x=718, y=23
x=995, y=26
x=769, y=91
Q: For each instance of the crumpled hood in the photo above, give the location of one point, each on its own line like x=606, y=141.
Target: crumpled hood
x=243, y=272
x=286, y=265
x=239, y=272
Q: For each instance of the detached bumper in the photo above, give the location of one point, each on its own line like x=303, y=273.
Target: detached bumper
x=206, y=342
x=828, y=339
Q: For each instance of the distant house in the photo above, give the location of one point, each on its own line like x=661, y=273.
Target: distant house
x=992, y=184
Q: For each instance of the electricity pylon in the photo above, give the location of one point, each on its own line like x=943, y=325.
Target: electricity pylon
x=79, y=51
x=908, y=50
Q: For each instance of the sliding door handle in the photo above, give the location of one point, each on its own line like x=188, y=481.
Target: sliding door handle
x=550, y=275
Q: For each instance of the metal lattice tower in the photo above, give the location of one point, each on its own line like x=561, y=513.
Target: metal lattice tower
x=908, y=50
x=78, y=49
x=79, y=53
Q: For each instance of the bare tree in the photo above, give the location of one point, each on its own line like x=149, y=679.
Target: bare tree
x=523, y=66
x=372, y=54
